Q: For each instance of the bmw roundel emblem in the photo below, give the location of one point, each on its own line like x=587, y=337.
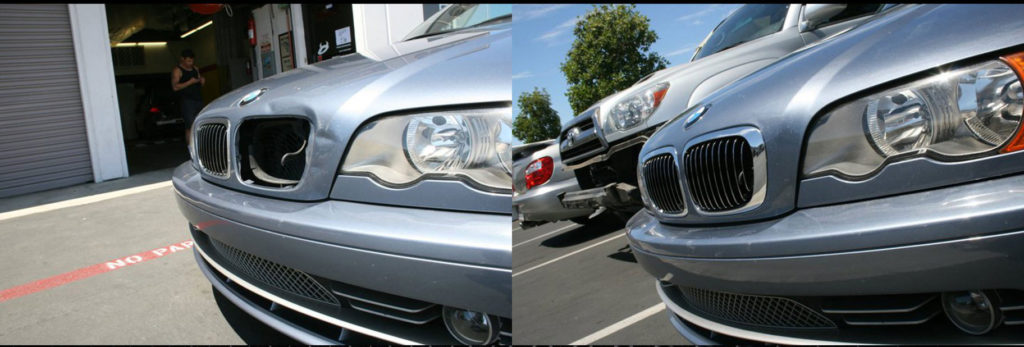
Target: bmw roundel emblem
x=695, y=116
x=252, y=96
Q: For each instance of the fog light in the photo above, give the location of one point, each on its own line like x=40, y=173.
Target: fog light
x=470, y=327
x=973, y=311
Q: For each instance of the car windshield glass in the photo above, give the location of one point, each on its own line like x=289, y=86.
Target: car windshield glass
x=747, y=23
x=459, y=16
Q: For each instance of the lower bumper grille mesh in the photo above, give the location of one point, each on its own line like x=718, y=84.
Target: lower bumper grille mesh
x=765, y=311
x=276, y=275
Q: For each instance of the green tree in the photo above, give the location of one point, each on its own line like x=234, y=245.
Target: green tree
x=612, y=51
x=536, y=120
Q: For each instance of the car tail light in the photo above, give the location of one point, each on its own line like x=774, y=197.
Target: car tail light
x=539, y=171
x=154, y=110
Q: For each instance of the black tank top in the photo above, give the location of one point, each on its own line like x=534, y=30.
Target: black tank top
x=192, y=92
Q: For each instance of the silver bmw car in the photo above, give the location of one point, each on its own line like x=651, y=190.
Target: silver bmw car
x=863, y=190
x=363, y=196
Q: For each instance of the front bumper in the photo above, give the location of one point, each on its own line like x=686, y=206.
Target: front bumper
x=959, y=238
x=445, y=258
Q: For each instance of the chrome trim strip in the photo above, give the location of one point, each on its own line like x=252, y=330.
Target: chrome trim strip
x=385, y=315
x=891, y=310
x=893, y=322
x=300, y=308
x=1011, y=308
x=356, y=298
x=737, y=332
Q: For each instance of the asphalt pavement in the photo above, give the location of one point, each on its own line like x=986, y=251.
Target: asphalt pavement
x=57, y=284
x=576, y=284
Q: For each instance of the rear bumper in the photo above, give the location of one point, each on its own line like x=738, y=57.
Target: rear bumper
x=968, y=237
x=614, y=196
x=542, y=203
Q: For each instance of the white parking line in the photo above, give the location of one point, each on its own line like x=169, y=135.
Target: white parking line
x=546, y=234
x=567, y=255
x=82, y=201
x=611, y=329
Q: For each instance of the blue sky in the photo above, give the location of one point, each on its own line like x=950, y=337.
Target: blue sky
x=543, y=35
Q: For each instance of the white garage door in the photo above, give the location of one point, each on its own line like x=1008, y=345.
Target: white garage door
x=43, y=142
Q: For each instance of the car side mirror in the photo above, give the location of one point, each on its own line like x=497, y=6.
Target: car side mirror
x=815, y=14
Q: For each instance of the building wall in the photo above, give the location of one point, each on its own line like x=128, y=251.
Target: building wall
x=271, y=20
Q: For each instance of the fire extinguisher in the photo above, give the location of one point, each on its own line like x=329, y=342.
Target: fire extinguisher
x=252, y=32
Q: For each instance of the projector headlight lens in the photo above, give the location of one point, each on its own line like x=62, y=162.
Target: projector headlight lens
x=472, y=145
x=954, y=115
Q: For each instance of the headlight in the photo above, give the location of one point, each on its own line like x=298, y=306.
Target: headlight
x=955, y=115
x=472, y=145
x=635, y=108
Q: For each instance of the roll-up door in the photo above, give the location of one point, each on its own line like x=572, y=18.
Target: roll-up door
x=43, y=142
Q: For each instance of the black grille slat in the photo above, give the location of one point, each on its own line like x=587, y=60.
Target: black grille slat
x=661, y=180
x=734, y=163
x=275, y=275
x=211, y=138
x=720, y=173
x=765, y=311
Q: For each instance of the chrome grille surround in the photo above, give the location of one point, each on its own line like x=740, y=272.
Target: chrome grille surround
x=706, y=161
x=660, y=185
x=275, y=275
x=212, y=146
x=579, y=143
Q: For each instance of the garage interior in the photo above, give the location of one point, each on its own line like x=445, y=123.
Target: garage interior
x=146, y=43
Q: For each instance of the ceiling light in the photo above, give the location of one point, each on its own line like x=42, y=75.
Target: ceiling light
x=135, y=44
x=196, y=29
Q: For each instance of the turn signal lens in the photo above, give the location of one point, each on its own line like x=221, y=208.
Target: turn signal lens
x=1016, y=61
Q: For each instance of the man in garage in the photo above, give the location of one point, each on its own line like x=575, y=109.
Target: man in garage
x=187, y=84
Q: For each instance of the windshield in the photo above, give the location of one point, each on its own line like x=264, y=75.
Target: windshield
x=459, y=16
x=747, y=23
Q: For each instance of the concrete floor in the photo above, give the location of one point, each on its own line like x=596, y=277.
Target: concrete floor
x=161, y=301
x=587, y=281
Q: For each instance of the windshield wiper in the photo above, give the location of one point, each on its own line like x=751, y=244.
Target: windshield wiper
x=489, y=21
